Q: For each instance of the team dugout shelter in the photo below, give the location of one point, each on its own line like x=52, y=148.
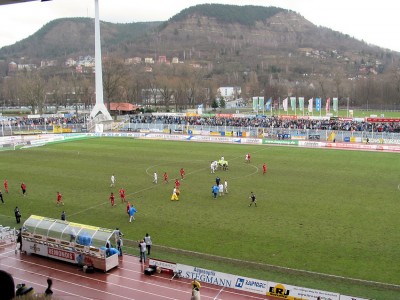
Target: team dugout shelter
x=75, y=243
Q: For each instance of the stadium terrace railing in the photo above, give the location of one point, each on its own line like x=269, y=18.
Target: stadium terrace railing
x=272, y=132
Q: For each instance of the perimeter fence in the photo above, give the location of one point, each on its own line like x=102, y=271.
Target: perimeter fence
x=233, y=131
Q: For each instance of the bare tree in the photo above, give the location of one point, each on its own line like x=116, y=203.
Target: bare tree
x=87, y=91
x=135, y=85
x=114, y=74
x=165, y=90
x=252, y=86
x=396, y=85
x=56, y=90
x=338, y=76
x=10, y=90
x=32, y=87
x=322, y=86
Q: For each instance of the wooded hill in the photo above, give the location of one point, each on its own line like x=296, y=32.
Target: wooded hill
x=266, y=50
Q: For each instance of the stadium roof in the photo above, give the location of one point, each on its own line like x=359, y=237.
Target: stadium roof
x=3, y=2
x=122, y=106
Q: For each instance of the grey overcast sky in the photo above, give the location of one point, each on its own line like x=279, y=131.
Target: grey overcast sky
x=375, y=22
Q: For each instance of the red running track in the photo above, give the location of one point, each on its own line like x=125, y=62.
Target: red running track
x=125, y=282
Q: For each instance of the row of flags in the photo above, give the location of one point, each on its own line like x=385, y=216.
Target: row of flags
x=258, y=104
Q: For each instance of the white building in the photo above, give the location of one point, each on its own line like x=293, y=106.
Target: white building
x=229, y=92
x=149, y=60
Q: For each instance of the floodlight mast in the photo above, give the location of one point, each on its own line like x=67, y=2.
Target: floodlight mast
x=99, y=107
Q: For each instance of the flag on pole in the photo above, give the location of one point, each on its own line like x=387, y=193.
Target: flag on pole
x=301, y=103
x=261, y=103
x=318, y=104
x=285, y=104
x=328, y=105
x=255, y=103
x=268, y=105
x=335, y=104
x=200, y=109
x=310, y=105
x=293, y=103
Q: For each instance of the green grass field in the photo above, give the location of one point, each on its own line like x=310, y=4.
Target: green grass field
x=326, y=211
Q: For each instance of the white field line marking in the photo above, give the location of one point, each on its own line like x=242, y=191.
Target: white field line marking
x=53, y=289
x=93, y=279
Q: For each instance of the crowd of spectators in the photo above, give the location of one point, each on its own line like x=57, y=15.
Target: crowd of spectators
x=25, y=121
x=254, y=122
x=268, y=122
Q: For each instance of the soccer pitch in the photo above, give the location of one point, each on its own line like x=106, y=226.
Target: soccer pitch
x=325, y=211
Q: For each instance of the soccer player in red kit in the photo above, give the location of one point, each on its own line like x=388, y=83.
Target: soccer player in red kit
x=182, y=172
x=59, y=199
x=128, y=206
x=264, y=168
x=6, y=185
x=23, y=188
x=177, y=183
x=112, y=199
x=122, y=194
x=165, y=177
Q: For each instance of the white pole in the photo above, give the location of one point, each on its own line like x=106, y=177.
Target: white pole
x=99, y=106
x=98, y=62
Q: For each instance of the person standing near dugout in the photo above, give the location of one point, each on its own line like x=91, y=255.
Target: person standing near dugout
x=120, y=243
x=195, y=290
x=17, y=214
x=19, y=240
x=142, y=249
x=63, y=216
x=147, y=240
